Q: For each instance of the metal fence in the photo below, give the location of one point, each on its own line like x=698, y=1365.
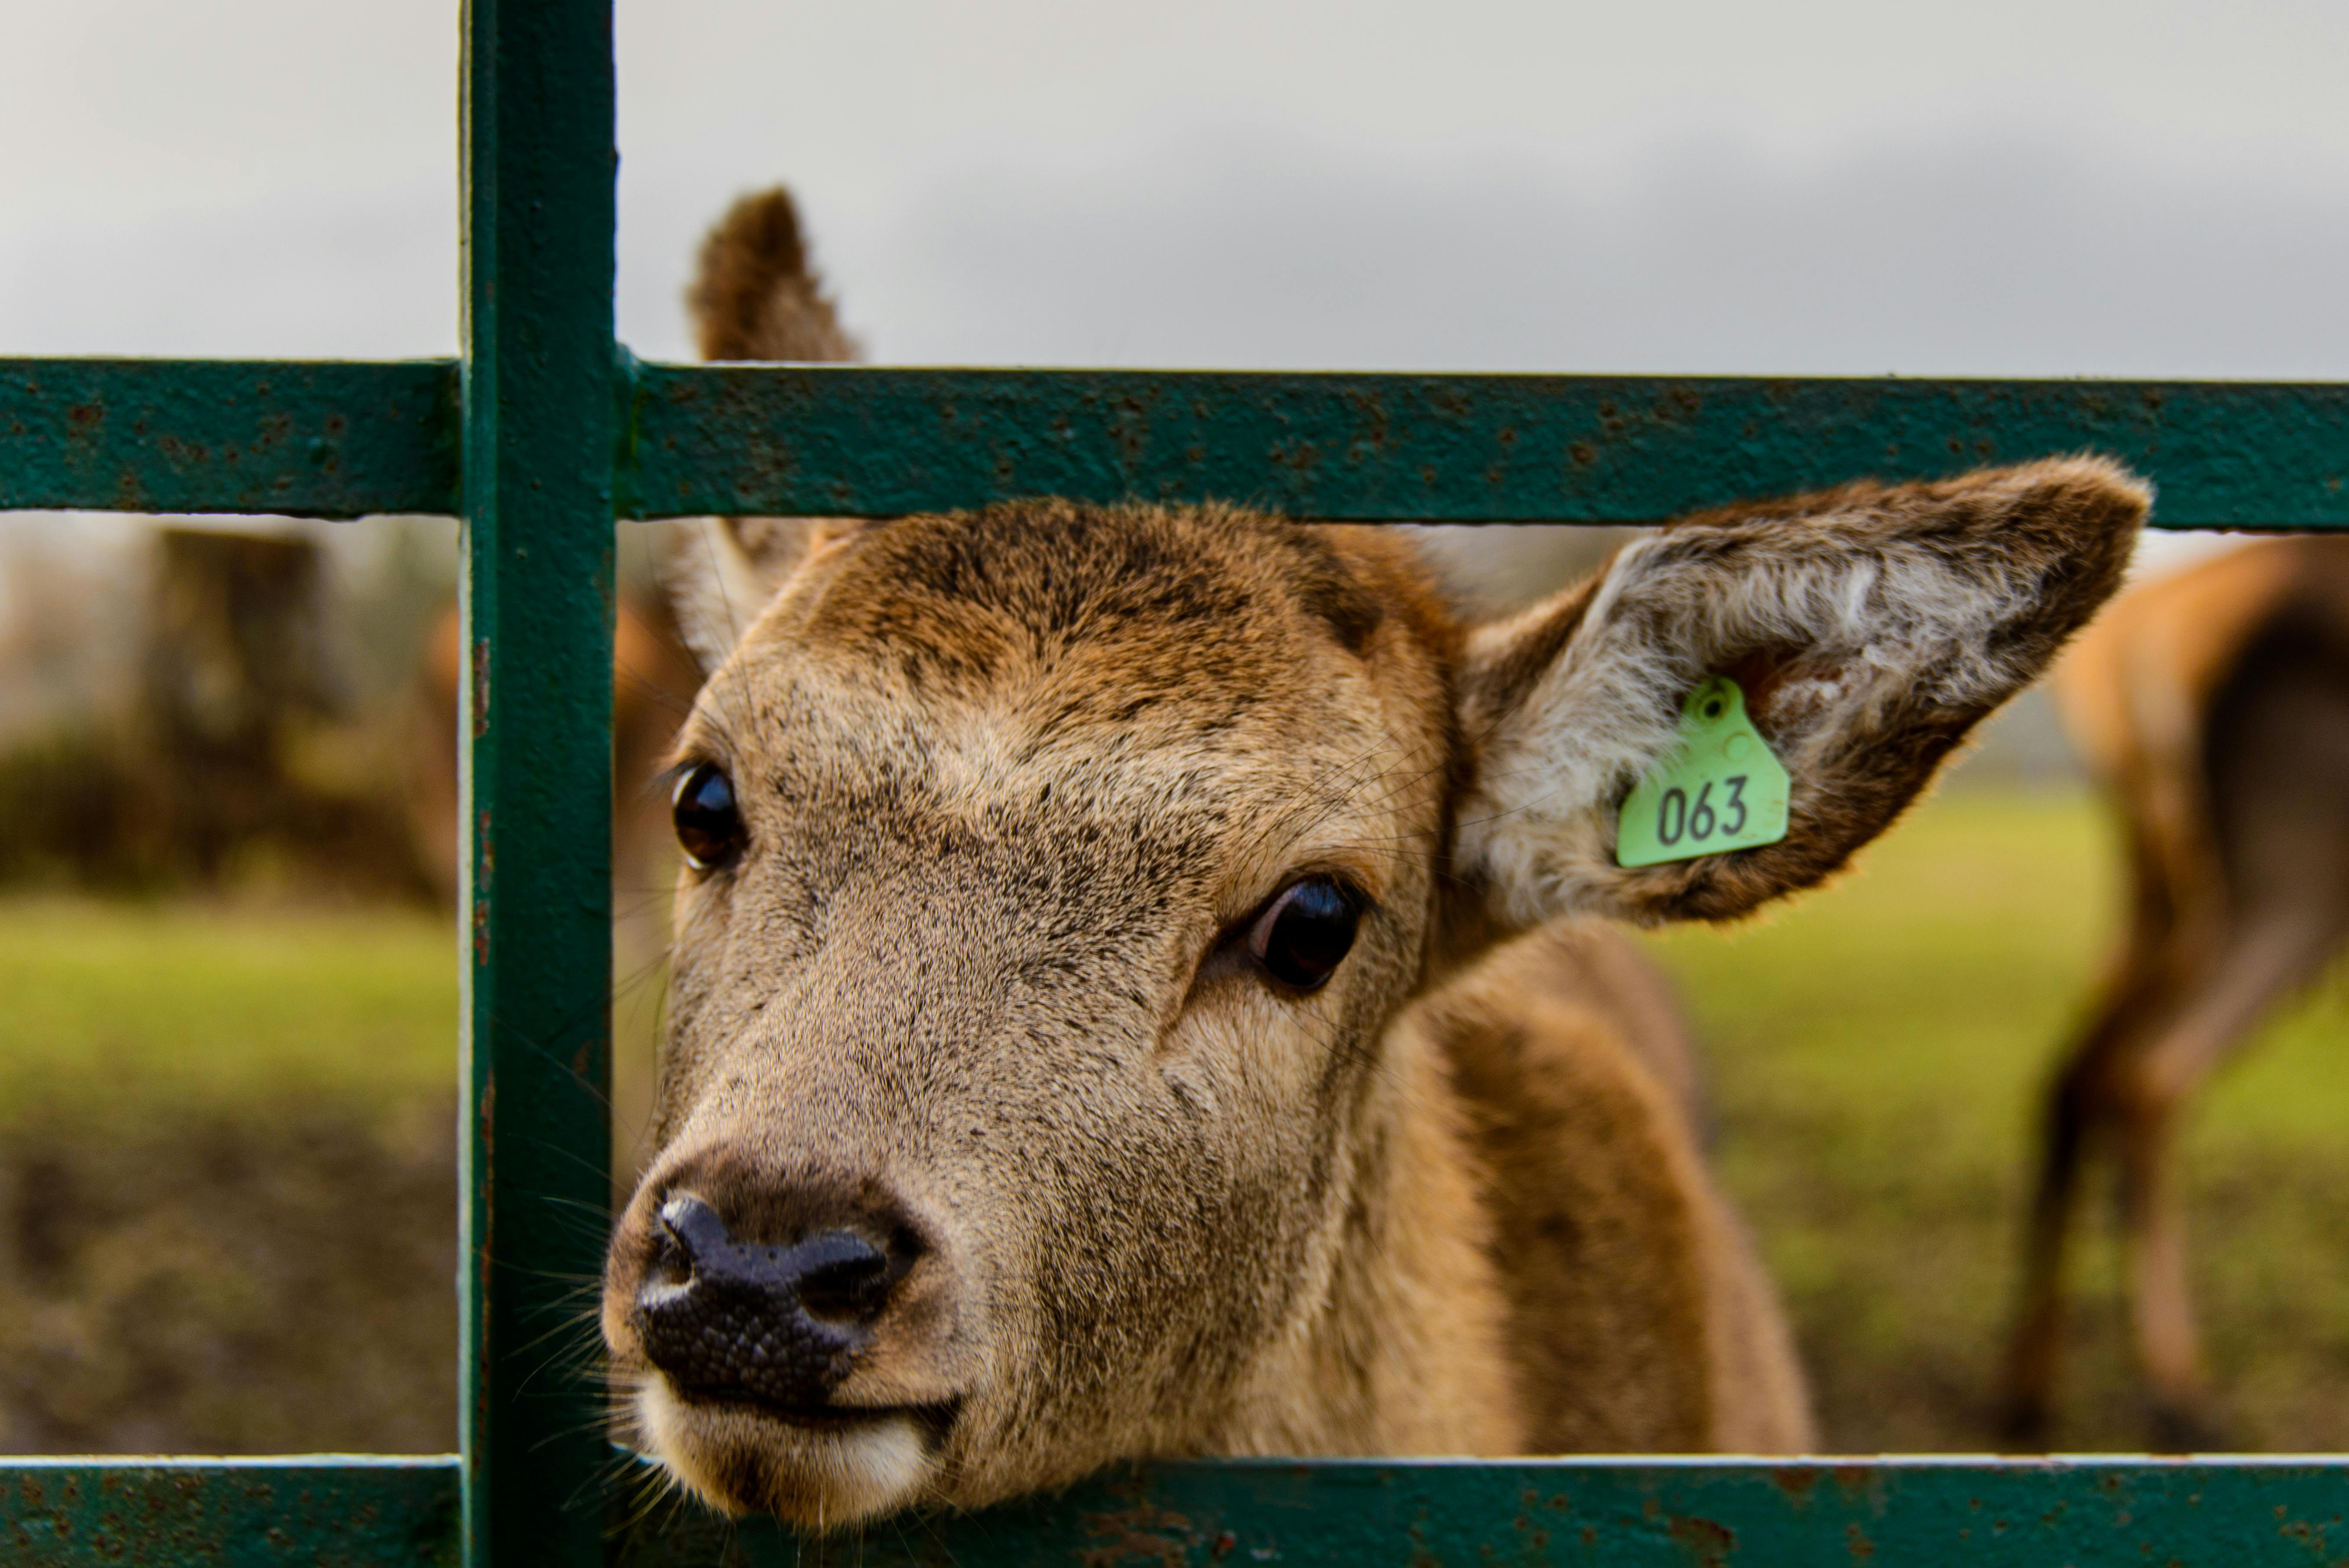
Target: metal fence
x=547, y=429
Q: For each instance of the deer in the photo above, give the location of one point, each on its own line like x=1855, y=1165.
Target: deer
x=2213, y=705
x=1145, y=980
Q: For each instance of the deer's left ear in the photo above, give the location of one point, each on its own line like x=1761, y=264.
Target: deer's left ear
x=1870, y=627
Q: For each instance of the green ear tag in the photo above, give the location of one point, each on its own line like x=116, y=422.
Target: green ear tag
x=1718, y=789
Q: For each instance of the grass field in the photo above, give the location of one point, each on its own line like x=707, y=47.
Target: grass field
x=226, y=1187
x=1875, y=1053
x=227, y=1179
x=150, y=1009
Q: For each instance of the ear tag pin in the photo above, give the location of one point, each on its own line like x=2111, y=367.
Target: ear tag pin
x=1717, y=789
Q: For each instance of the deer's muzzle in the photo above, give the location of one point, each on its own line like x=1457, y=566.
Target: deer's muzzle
x=779, y=1325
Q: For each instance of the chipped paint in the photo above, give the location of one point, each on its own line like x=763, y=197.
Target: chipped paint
x=546, y=395
x=342, y=439
x=304, y=1512
x=1669, y=1513
x=882, y=442
x=1708, y=1544
x=321, y=438
x=1143, y=1532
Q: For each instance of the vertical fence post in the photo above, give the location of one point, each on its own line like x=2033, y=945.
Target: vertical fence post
x=539, y=167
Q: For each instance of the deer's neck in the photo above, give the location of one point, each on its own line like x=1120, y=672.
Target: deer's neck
x=1404, y=1349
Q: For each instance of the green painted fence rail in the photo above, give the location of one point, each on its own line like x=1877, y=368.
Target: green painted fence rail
x=537, y=588
x=810, y=441
x=330, y=1511
x=314, y=1510
x=334, y=439
x=295, y=438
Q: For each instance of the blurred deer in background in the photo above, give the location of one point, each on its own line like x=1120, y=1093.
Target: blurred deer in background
x=2215, y=705
x=742, y=313
x=653, y=682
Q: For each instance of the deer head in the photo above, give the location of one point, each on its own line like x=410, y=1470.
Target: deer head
x=1034, y=1095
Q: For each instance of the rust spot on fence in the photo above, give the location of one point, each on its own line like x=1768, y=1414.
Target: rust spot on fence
x=480, y=688
x=1854, y=1479
x=1145, y=1531
x=1797, y=1481
x=1709, y=1544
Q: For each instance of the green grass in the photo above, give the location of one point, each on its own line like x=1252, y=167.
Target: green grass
x=221, y=1119
x=1877, y=1051
x=227, y=1178
x=153, y=1008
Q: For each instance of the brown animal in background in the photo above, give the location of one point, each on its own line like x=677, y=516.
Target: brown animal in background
x=756, y=299
x=1113, y=1014
x=654, y=677
x=2215, y=705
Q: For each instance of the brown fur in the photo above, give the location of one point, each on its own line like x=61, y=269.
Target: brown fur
x=1812, y=605
x=2215, y=704
x=1015, y=783
x=757, y=296
x=1640, y=1319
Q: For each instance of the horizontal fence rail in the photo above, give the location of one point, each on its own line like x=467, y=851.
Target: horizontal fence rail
x=296, y=437
x=733, y=439
x=336, y=439
x=331, y=1511
x=317, y=1510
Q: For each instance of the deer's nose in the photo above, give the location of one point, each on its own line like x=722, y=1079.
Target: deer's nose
x=780, y=1324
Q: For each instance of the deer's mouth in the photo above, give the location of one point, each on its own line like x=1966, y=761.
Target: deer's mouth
x=819, y=1466
x=934, y=1420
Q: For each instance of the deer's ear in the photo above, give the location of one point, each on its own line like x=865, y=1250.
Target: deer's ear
x=757, y=296
x=722, y=571
x=1870, y=628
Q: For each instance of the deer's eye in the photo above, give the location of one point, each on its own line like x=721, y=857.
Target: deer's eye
x=1306, y=932
x=709, y=827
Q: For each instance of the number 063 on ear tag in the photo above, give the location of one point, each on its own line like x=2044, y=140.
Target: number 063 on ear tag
x=1718, y=789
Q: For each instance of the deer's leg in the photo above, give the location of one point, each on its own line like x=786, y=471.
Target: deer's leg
x=2264, y=963
x=2080, y=1109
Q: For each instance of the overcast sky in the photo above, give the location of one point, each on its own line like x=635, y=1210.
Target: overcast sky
x=2049, y=187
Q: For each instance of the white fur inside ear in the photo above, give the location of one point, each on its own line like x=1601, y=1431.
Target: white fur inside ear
x=1888, y=620
x=713, y=589
x=721, y=573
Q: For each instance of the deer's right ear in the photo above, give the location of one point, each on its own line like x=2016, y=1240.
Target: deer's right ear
x=757, y=296
x=722, y=571
x=1869, y=628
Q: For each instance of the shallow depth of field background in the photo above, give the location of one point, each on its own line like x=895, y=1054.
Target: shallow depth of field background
x=227, y=1155
x=227, y=1186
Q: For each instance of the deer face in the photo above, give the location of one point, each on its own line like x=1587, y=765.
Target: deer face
x=1059, y=872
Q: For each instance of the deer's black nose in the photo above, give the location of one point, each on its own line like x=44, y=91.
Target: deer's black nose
x=727, y=1319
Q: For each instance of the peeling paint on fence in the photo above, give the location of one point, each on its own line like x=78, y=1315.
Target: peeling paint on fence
x=303, y=438
x=315, y=1511
x=860, y=441
x=342, y=439
x=1623, y=1514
